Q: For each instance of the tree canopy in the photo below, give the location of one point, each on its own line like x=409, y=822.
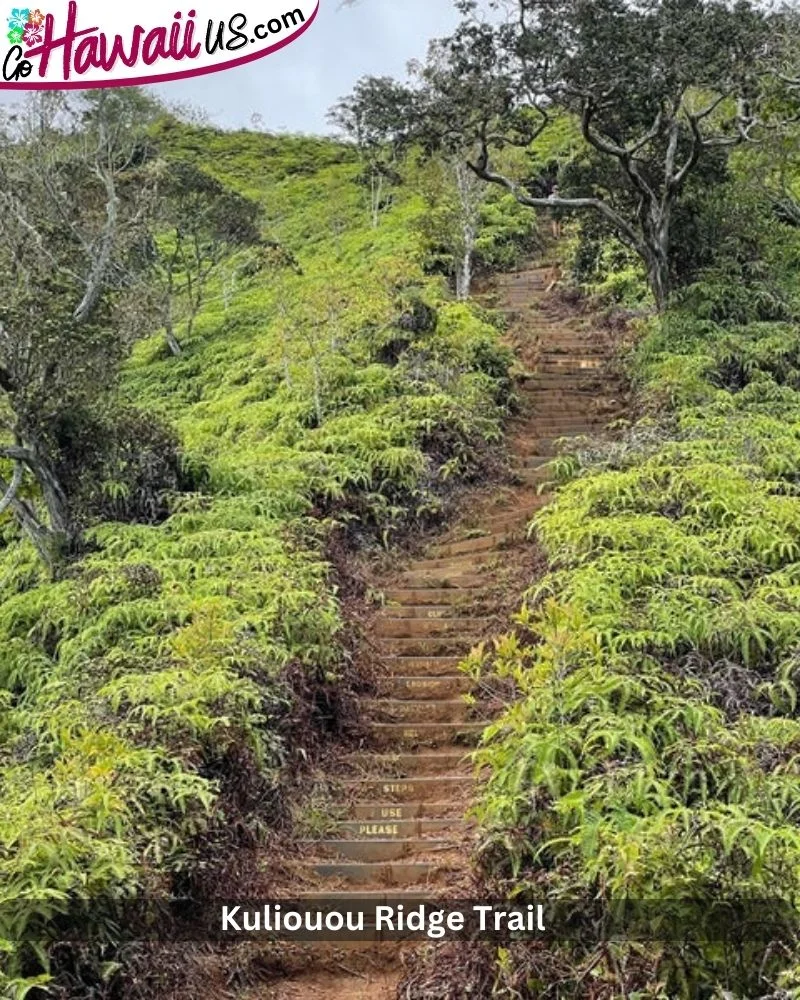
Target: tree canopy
x=200, y=221
x=76, y=203
x=102, y=237
x=656, y=88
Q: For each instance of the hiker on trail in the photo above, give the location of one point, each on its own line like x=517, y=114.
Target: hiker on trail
x=555, y=223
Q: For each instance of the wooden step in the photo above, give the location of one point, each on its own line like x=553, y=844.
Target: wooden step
x=523, y=529
x=421, y=666
x=483, y=543
x=424, y=688
x=553, y=353
x=522, y=518
x=559, y=429
x=536, y=410
x=416, y=828
x=462, y=563
x=587, y=385
x=515, y=506
x=564, y=397
x=438, y=734
x=509, y=523
x=451, y=762
x=539, y=462
x=379, y=874
x=517, y=301
x=429, y=647
x=535, y=415
x=551, y=447
x=538, y=473
x=441, y=580
x=585, y=382
x=526, y=447
x=552, y=342
x=523, y=287
x=390, y=627
x=552, y=345
x=425, y=595
x=376, y=851
x=529, y=479
x=570, y=397
x=420, y=611
x=416, y=711
x=403, y=811
x=533, y=477
x=568, y=366
x=363, y=899
x=417, y=789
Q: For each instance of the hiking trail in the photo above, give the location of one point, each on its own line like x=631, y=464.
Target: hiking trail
x=407, y=790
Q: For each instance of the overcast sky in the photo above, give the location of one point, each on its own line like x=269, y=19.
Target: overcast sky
x=294, y=88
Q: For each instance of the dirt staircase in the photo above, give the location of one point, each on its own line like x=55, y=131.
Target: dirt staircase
x=406, y=792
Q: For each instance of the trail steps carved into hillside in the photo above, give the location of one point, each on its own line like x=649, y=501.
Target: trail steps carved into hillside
x=402, y=828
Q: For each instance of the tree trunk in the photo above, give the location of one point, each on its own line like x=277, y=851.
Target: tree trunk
x=55, y=499
x=169, y=296
x=656, y=257
x=464, y=266
x=52, y=541
x=50, y=546
x=377, y=198
x=103, y=253
x=658, y=278
x=193, y=311
x=172, y=341
x=470, y=196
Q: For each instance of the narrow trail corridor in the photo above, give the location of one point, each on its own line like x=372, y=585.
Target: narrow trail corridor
x=403, y=829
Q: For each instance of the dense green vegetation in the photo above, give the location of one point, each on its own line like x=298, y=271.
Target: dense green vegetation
x=652, y=753
x=327, y=388
x=174, y=511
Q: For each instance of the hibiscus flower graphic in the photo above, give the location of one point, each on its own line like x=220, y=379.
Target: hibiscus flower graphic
x=19, y=18
x=36, y=18
x=15, y=36
x=33, y=34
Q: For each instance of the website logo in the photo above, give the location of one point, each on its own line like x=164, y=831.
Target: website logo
x=91, y=43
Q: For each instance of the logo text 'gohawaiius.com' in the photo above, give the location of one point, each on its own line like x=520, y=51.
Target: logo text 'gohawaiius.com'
x=92, y=43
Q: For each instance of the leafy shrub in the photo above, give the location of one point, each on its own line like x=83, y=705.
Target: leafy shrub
x=652, y=752
x=136, y=691
x=118, y=464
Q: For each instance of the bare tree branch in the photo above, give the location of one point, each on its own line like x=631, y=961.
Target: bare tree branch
x=605, y=145
x=12, y=489
x=482, y=169
x=104, y=250
x=624, y=154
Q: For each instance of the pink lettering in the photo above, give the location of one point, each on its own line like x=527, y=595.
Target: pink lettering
x=155, y=46
x=67, y=41
x=109, y=59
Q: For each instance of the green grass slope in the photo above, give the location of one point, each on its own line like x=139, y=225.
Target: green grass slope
x=143, y=697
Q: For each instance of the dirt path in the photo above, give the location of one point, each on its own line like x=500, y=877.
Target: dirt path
x=403, y=804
